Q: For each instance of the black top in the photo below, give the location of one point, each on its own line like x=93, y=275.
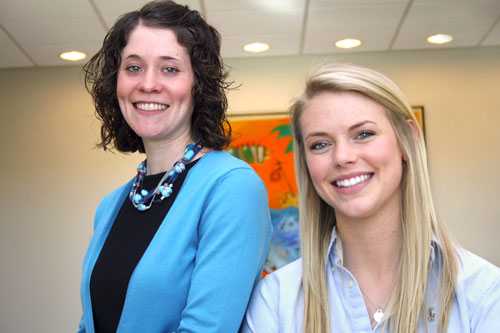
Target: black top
x=127, y=241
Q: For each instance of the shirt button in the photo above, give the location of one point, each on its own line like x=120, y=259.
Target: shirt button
x=351, y=283
x=333, y=269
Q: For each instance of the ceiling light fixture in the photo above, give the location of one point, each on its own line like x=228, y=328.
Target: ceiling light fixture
x=73, y=55
x=347, y=43
x=439, y=39
x=256, y=47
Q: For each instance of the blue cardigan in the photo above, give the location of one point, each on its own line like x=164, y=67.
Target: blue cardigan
x=199, y=270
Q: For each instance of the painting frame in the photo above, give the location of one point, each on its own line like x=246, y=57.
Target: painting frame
x=418, y=111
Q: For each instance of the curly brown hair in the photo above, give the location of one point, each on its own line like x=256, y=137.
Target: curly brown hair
x=209, y=124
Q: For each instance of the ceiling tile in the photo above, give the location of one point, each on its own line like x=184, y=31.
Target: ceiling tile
x=10, y=54
x=45, y=28
x=35, y=9
x=83, y=30
x=251, y=5
x=493, y=37
x=256, y=22
x=323, y=42
x=111, y=10
x=352, y=17
x=336, y=3
x=285, y=44
x=119, y=7
x=75, y=32
x=416, y=38
x=48, y=54
x=467, y=21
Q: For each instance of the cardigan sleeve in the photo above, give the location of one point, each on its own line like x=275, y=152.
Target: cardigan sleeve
x=234, y=234
x=84, y=289
x=104, y=210
x=81, y=326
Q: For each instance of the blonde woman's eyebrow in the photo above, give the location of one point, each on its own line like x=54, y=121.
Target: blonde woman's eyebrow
x=314, y=134
x=361, y=124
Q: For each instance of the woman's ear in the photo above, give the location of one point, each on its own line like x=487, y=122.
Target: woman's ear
x=415, y=131
x=414, y=128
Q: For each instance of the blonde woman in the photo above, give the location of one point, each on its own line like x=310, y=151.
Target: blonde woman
x=375, y=256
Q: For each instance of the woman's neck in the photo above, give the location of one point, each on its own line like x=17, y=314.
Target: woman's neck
x=161, y=155
x=371, y=252
x=371, y=246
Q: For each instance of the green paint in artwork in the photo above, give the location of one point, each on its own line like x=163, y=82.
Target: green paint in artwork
x=284, y=131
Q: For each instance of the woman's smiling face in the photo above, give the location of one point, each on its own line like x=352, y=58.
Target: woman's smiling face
x=352, y=154
x=154, y=85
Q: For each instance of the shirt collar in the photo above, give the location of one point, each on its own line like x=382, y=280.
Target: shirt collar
x=334, y=253
x=435, y=248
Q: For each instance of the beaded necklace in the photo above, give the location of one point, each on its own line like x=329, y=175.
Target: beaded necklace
x=141, y=198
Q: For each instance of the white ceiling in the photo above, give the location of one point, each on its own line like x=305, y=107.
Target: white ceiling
x=34, y=32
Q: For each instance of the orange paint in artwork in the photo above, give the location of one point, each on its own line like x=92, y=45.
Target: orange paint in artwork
x=254, y=142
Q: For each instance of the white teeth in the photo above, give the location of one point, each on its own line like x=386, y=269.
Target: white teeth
x=352, y=181
x=151, y=106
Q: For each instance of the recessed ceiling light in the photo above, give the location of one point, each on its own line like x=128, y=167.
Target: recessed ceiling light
x=439, y=39
x=73, y=55
x=256, y=47
x=347, y=43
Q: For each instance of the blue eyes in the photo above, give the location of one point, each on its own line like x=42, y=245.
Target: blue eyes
x=319, y=145
x=364, y=135
x=170, y=70
x=135, y=68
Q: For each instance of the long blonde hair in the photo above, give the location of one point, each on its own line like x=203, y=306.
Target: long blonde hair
x=419, y=219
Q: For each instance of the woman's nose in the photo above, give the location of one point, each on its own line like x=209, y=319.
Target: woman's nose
x=150, y=82
x=344, y=154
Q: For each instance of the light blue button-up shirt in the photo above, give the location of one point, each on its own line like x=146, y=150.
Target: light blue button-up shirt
x=277, y=302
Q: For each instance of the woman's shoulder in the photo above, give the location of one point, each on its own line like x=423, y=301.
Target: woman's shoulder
x=273, y=304
x=280, y=287
x=477, y=278
x=478, y=292
x=117, y=193
x=474, y=269
x=219, y=163
x=216, y=157
x=286, y=278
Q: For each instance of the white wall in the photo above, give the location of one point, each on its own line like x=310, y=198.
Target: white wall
x=52, y=178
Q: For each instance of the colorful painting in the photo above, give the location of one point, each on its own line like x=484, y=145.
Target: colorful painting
x=267, y=145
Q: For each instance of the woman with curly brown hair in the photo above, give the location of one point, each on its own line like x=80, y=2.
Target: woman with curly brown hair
x=179, y=247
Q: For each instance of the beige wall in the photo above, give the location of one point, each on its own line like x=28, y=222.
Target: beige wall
x=52, y=178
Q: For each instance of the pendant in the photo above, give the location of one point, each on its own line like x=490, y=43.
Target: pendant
x=378, y=315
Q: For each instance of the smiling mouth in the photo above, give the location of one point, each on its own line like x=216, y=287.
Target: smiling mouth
x=352, y=181
x=150, y=106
